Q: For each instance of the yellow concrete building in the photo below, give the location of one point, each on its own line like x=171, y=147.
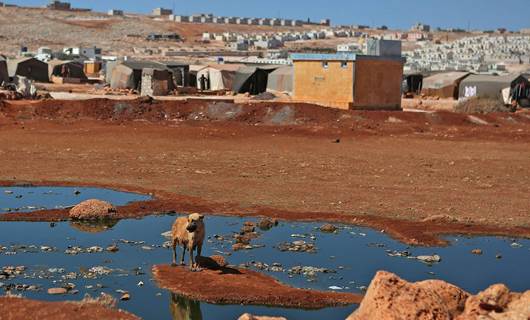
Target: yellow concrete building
x=348, y=81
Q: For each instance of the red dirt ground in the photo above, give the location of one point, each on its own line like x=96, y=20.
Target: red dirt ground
x=238, y=286
x=19, y=308
x=391, y=170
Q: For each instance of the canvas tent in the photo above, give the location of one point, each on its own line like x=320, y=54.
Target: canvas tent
x=489, y=86
x=281, y=80
x=217, y=77
x=252, y=79
x=443, y=85
x=156, y=82
x=412, y=83
x=4, y=75
x=181, y=72
x=128, y=74
x=30, y=68
x=66, y=69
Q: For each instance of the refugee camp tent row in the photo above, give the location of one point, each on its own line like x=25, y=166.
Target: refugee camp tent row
x=69, y=71
x=181, y=72
x=30, y=68
x=252, y=79
x=443, y=85
x=281, y=80
x=494, y=87
x=4, y=75
x=217, y=77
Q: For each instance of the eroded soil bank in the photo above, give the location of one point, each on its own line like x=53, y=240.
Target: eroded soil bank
x=241, y=286
x=20, y=308
x=415, y=175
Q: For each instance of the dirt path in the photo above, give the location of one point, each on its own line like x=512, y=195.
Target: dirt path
x=381, y=171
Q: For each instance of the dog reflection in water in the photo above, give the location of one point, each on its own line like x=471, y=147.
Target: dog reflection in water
x=184, y=309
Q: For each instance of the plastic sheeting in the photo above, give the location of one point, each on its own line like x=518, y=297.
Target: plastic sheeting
x=30, y=68
x=252, y=79
x=281, y=80
x=73, y=69
x=443, y=85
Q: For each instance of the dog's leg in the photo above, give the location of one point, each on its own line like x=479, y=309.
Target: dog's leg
x=174, y=246
x=183, y=254
x=199, y=250
x=192, y=263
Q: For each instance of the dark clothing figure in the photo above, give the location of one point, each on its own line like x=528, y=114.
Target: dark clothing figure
x=203, y=82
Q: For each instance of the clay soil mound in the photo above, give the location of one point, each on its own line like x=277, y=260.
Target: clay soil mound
x=19, y=308
x=93, y=210
x=239, y=286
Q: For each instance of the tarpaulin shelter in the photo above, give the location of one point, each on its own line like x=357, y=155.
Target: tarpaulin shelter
x=156, y=82
x=128, y=74
x=30, y=68
x=66, y=69
x=412, y=83
x=281, y=80
x=181, y=72
x=252, y=79
x=489, y=86
x=4, y=75
x=216, y=77
x=194, y=69
x=443, y=85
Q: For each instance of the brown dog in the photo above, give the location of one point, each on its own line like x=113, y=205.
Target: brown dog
x=188, y=232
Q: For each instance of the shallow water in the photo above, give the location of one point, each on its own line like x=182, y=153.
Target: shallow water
x=352, y=248
x=27, y=199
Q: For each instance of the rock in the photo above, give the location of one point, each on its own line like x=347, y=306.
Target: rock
x=329, y=228
x=247, y=229
x=238, y=246
x=497, y=300
x=167, y=235
x=113, y=248
x=248, y=316
x=476, y=251
x=390, y=297
x=267, y=224
x=429, y=259
x=56, y=291
x=125, y=297
x=93, y=210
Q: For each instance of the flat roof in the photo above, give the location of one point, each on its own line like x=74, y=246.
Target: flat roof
x=340, y=56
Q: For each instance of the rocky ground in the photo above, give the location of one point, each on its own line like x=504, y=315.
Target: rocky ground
x=390, y=297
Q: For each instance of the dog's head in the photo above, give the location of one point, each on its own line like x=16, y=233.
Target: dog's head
x=194, y=220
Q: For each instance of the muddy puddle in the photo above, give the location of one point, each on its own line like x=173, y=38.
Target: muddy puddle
x=27, y=199
x=117, y=259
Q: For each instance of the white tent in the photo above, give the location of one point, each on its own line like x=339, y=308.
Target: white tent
x=219, y=76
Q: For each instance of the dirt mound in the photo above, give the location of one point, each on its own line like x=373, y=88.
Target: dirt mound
x=93, y=209
x=479, y=105
x=238, y=286
x=19, y=308
x=390, y=297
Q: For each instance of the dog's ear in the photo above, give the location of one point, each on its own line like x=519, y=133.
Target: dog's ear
x=201, y=217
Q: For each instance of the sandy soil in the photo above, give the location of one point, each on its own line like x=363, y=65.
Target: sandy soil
x=19, y=308
x=238, y=286
x=413, y=174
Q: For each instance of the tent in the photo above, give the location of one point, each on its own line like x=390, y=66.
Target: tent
x=128, y=74
x=252, y=79
x=281, y=80
x=181, y=72
x=4, y=75
x=489, y=86
x=66, y=69
x=30, y=68
x=412, y=83
x=156, y=82
x=443, y=85
x=194, y=69
x=217, y=77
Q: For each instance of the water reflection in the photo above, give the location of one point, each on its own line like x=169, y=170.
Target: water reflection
x=182, y=308
x=93, y=226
